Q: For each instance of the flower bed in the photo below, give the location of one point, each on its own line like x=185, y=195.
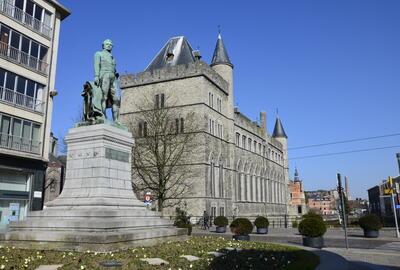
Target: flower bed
x=250, y=255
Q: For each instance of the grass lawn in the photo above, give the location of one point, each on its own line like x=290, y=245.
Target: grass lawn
x=247, y=255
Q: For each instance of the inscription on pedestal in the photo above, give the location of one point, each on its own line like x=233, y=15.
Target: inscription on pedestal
x=117, y=155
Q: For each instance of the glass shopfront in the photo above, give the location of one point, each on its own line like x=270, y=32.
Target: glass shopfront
x=14, y=195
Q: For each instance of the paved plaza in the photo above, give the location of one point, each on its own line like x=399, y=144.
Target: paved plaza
x=381, y=253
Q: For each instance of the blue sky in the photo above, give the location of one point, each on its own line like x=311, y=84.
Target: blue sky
x=331, y=67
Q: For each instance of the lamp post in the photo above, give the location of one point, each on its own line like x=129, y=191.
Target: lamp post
x=398, y=160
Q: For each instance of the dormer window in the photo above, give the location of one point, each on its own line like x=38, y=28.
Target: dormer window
x=170, y=56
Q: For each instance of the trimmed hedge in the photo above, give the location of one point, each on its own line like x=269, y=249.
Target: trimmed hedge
x=312, y=214
x=221, y=221
x=370, y=222
x=261, y=222
x=312, y=227
x=188, y=226
x=241, y=226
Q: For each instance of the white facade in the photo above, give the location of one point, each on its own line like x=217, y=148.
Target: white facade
x=29, y=34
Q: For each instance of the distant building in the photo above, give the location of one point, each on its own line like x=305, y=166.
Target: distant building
x=358, y=206
x=381, y=203
x=323, y=202
x=29, y=35
x=297, y=200
x=55, y=172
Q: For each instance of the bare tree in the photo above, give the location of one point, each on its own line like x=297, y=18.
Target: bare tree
x=166, y=142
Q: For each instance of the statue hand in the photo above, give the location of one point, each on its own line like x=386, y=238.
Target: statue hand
x=116, y=75
x=96, y=81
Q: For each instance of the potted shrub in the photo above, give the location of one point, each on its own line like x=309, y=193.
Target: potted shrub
x=221, y=222
x=262, y=224
x=241, y=228
x=312, y=229
x=371, y=225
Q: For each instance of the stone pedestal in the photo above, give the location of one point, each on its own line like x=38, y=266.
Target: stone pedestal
x=97, y=209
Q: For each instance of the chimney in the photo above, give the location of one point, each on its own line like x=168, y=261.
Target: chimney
x=263, y=121
x=197, y=55
x=346, y=183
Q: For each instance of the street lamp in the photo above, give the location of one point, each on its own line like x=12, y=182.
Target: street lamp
x=398, y=160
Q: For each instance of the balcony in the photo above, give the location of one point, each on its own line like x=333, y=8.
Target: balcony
x=14, y=55
x=21, y=100
x=20, y=144
x=11, y=11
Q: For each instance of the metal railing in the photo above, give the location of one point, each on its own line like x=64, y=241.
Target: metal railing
x=19, y=143
x=20, y=57
x=21, y=100
x=19, y=15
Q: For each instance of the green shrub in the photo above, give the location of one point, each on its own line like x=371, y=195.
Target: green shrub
x=182, y=220
x=370, y=222
x=312, y=214
x=221, y=221
x=312, y=227
x=295, y=224
x=181, y=216
x=261, y=222
x=187, y=226
x=241, y=226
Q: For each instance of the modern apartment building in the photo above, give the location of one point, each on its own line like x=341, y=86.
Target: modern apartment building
x=29, y=34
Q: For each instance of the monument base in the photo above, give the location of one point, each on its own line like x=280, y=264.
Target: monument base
x=97, y=209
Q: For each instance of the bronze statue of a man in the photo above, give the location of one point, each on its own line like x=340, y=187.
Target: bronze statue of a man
x=105, y=77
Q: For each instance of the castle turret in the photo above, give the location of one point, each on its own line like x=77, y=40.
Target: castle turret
x=222, y=65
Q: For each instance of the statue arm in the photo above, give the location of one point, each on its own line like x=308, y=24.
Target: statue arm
x=97, y=64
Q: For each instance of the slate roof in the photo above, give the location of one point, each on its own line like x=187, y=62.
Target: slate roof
x=279, y=132
x=176, y=51
x=220, y=55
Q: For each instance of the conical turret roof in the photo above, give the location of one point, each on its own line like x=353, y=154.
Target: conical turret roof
x=176, y=51
x=279, y=132
x=220, y=55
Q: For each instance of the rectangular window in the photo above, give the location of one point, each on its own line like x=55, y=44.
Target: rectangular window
x=145, y=129
x=222, y=211
x=2, y=78
x=157, y=101
x=162, y=101
x=26, y=136
x=182, y=128
x=237, y=139
x=177, y=125
x=249, y=144
x=244, y=141
x=140, y=129
x=10, y=82
x=4, y=131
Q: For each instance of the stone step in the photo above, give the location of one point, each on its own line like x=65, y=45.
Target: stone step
x=90, y=224
x=111, y=212
x=99, y=241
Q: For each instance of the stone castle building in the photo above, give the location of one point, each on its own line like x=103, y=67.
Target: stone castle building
x=241, y=170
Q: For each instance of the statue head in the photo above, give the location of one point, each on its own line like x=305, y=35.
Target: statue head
x=107, y=45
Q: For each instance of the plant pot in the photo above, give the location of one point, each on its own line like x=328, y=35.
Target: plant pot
x=315, y=242
x=262, y=230
x=220, y=229
x=371, y=234
x=241, y=237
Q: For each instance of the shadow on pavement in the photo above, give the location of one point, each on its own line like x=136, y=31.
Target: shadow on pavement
x=356, y=265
